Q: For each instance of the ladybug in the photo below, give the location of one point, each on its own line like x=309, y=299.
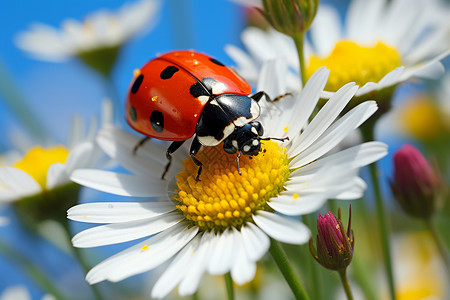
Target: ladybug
x=184, y=93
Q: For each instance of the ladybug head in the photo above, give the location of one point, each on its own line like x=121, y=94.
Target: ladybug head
x=245, y=139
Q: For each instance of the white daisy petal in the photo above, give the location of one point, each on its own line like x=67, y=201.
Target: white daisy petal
x=120, y=184
x=117, y=212
x=144, y=256
x=307, y=100
x=255, y=241
x=335, y=133
x=303, y=205
x=281, y=228
x=125, y=231
x=222, y=254
x=193, y=277
x=243, y=269
x=16, y=183
x=354, y=157
x=324, y=117
x=81, y=156
x=326, y=29
x=355, y=191
x=56, y=175
x=177, y=269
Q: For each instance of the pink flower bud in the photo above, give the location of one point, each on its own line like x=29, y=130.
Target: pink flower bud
x=334, y=245
x=416, y=186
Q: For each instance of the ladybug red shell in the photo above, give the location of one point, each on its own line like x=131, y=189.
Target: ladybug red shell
x=185, y=93
x=167, y=97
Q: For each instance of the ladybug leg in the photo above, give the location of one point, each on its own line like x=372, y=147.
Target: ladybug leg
x=172, y=148
x=195, y=147
x=237, y=162
x=259, y=95
x=140, y=144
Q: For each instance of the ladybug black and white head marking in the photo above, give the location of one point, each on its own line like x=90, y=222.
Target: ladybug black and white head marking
x=245, y=139
x=223, y=115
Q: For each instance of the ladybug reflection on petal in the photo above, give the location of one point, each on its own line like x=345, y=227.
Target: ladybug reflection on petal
x=184, y=93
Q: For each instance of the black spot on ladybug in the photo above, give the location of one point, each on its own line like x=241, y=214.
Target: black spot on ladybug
x=157, y=120
x=137, y=83
x=198, y=89
x=168, y=72
x=132, y=113
x=217, y=62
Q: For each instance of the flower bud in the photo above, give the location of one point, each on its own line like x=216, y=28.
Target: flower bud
x=334, y=245
x=291, y=17
x=416, y=186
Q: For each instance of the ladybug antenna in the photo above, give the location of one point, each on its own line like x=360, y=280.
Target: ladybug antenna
x=276, y=139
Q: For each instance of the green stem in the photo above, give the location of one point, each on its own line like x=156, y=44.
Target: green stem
x=368, y=135
x=345, y=284
x=286, y=269
x=35, y=273
x=313, y=275
x=441, y=248
x=81, y=260
x=298, y=40
x=229, y=286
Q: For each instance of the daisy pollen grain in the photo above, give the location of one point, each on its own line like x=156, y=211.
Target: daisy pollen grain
x=351, y=62
x=223, y=198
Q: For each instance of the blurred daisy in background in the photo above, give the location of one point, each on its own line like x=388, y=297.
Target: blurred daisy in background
x=96, y=40
x=381, y=44
x=44, y=172
x=223, y=223
x=20, y=293
x=419, y=271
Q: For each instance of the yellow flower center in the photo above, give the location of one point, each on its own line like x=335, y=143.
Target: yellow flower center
x=37, y=161
x=223, y=198
x=420, y=118
x=349, y=62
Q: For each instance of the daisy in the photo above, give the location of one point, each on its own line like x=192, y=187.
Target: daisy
x=224, y=222
x=100, y=30
x=381, y=44
x=43, y=169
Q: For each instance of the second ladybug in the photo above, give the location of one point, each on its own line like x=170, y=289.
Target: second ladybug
x=184, y=93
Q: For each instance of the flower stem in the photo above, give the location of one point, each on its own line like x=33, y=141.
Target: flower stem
x=313, y=276
x=286, y=269
x=229, y=286
x=441, y=248
x=35, y=273
x=368, y=135
x=81, y=260
x=298, y=40
x=345, y=284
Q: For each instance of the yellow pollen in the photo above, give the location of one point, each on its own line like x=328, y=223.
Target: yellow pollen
x=223, y=198
x=37, y=161
x=350, y=62
x=286, y=128
x=154, y=98
x=145, y=247
x=136, y=73
x=295, y=196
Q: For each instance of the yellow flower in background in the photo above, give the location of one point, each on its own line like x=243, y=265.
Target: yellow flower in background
x=419, y=271
x=381, y=43
x=420, y=118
